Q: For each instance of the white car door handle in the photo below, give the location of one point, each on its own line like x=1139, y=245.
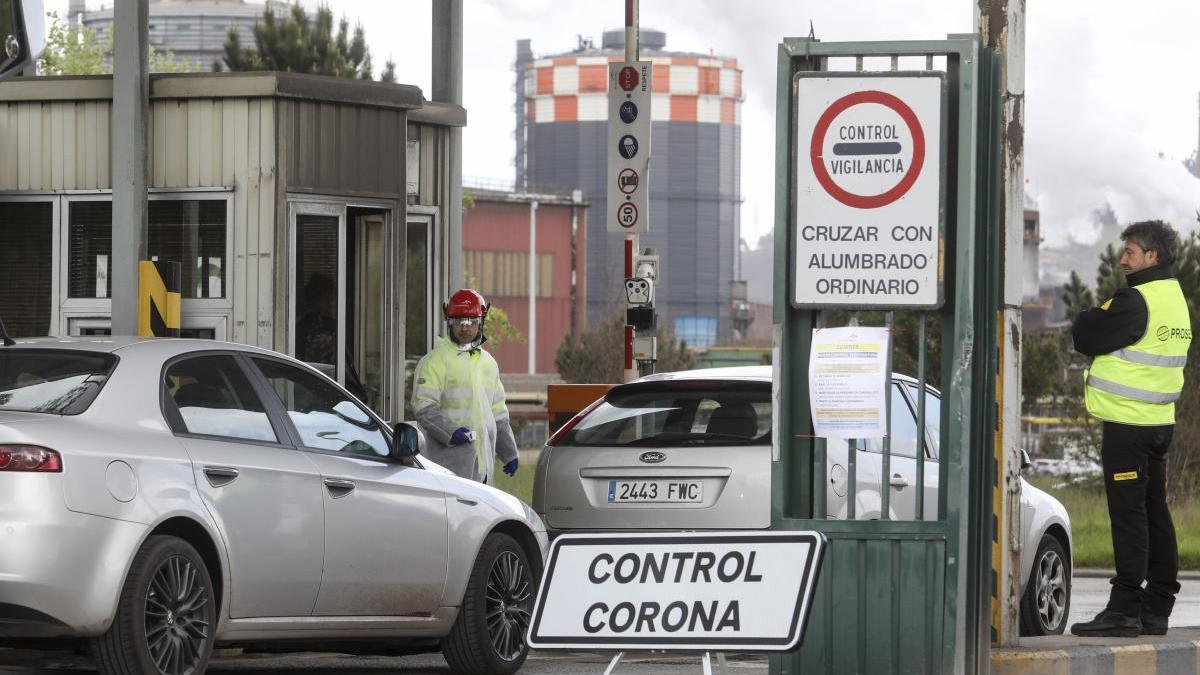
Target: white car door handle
x=339, y=488
x=899, y=482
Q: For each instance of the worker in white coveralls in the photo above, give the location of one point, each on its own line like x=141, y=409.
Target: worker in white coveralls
x=458, y=398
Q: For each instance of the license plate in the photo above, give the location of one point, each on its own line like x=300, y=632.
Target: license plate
x=655, y=491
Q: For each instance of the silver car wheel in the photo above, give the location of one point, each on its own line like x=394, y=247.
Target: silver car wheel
x=1051, y=590
x=176, y=625
x=507, y=605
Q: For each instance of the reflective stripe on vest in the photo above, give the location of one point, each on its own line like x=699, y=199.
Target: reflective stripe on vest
x=1131, y=392
x=1141, y=383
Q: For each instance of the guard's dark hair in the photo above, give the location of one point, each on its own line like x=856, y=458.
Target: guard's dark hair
x=1154, y=235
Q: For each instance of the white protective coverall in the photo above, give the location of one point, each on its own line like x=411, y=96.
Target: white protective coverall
x=453, y=388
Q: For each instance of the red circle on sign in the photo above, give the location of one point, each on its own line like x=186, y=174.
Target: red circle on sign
x=628, y=78
x=818, y=143
x=627, y=211
x=627, y=181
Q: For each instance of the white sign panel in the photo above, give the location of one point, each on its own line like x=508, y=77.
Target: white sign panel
x=847, y=382
x=712, y=591
x=869, y=196
x=629, y=147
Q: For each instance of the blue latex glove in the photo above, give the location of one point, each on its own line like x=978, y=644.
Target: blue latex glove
x=510, y=469
x=461, y=435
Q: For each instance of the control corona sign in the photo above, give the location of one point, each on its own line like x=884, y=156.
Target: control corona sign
x=870, y=163
x=713, y=591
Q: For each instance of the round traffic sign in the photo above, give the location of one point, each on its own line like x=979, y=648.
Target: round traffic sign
x=627, y=180
x=627, y=215
x=874, y=151
x=627, y=146
x=628, y=78
x=628, y=112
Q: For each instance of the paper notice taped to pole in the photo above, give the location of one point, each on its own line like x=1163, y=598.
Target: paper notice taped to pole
x=847, y=382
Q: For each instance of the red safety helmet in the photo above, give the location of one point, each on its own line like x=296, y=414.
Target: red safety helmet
x=466, y=302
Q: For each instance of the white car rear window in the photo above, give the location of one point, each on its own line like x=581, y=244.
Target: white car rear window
x=678, y=414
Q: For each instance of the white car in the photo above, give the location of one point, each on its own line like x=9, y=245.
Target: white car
x=692, y=450
x=160, y=496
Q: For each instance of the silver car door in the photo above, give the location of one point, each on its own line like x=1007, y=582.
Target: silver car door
x=385, y=522
x=264, y=495
x=933, y=426
x=901, y=479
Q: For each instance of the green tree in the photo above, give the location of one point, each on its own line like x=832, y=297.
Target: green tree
x=71, y=50
x=1043, y=370
x=75, y=50
x=1076, y=296
x=597, y=355
x=1109, y=276
x=1184, y=457
x=299, y=44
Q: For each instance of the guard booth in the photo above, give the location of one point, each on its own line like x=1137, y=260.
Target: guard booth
x=310, y=215
x=872, y=137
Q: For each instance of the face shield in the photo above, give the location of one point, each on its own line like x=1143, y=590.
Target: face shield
x=465, y=331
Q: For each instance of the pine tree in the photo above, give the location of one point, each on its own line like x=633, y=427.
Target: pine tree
x=1076, y=296
x=1109, y=276
x=299, y=44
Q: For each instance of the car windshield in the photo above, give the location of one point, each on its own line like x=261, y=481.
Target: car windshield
x=678, y=414
x=51, y=380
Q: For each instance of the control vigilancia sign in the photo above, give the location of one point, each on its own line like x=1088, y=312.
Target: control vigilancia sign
x=870, y=167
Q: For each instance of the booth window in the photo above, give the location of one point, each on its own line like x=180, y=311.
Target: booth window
x=192, y=232
x=27, y=260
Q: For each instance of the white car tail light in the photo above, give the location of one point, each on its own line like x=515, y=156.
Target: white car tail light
x=29, y=458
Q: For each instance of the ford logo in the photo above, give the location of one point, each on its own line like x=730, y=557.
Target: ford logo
x=652, y=457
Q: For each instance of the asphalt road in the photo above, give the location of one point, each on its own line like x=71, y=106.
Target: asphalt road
x=426, y=664
x=1088, y=597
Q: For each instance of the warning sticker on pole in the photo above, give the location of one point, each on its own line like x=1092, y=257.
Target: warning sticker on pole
x=869, y=225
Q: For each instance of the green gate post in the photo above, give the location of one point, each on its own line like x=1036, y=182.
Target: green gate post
x=901, y=596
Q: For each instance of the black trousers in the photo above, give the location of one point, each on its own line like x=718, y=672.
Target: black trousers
x=1143, y=536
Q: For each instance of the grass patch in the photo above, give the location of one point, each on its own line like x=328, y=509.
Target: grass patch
x=520, y=485
x=1088, y=508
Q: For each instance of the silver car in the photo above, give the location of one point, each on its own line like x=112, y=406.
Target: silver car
x=692, y=450
x=162, y=496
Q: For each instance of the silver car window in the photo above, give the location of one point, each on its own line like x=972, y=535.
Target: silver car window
x=215, y=398
x=51, y=380
x=933, y=414
x=904, y=428
x=671, y=415
x=323, y=415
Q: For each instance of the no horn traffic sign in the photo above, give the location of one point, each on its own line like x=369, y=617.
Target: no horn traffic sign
x=868, y=227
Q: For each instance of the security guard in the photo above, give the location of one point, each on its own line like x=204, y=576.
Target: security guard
x=1139, y=340
x=458, y=398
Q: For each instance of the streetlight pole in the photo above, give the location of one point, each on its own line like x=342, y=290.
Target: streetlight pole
x=533, y=207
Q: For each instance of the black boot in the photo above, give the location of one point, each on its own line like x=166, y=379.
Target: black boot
x=1153, y=624
x=1109, y=624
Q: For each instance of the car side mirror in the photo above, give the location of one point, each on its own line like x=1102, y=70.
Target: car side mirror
x=407, y=440
x=22, y=35
x=1026, y=463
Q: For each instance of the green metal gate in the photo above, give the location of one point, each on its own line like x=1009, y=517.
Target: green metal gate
x=900, y=596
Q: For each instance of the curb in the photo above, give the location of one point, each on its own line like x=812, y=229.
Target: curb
x=1100, y=656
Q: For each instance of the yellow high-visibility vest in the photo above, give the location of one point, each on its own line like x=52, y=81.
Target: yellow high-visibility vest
x=1140, y=384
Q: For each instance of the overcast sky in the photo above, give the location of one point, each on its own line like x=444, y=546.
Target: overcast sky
x=1111, y=87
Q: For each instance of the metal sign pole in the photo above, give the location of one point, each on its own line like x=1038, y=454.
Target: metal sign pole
x=631, y=240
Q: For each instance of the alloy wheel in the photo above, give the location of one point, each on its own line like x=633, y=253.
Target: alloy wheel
x=507, y=601
x=176, y=616
x=1051, y=590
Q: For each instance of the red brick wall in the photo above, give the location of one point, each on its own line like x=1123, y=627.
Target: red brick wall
x=504, y=227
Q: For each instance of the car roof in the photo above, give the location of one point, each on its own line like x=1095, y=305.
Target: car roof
x=131, y=344
x=762, y=373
